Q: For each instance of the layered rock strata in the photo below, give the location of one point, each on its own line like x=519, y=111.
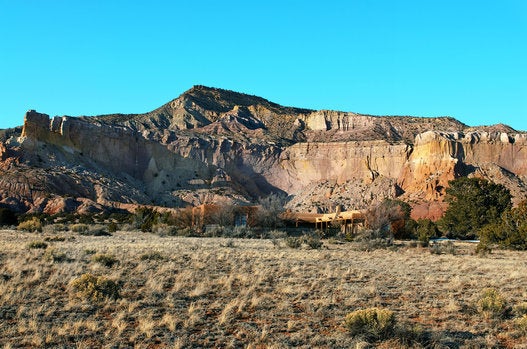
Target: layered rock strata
x=212, y=145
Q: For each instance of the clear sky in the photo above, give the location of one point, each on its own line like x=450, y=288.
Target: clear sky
x=462, y=58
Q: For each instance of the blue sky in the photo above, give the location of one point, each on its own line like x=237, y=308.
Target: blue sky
x=465, y=59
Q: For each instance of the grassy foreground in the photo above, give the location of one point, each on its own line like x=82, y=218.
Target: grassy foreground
x=176, y=292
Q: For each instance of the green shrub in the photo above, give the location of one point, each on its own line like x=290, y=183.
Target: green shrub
x=491, y=304
x=95, y=288
x=105, y=259
x=144, y=218
x=372, y=323
x=313, y=242
x=112, y=227
x=510, y=232
x=32, y=225
x=425, y=230
x=293, y=242
x=37, y=244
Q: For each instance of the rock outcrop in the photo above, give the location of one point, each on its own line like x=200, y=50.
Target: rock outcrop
x=211, y=145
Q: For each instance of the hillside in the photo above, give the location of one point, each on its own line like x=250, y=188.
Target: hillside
x=211, y=145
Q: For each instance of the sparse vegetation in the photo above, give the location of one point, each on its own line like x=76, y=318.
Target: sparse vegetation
x=223, y=292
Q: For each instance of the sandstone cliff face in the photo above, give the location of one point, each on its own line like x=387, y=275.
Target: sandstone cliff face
x=212, y=145
x=304, y=163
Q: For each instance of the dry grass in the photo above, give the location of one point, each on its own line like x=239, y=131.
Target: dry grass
x=238, y=293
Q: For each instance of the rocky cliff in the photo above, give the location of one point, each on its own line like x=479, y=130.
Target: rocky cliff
x=211, y=145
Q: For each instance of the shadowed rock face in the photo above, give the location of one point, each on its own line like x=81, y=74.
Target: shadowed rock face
x=212, y=145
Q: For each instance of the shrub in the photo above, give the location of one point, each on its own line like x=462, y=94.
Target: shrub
x=293, y=242
x=163, y=229
x=188, y=231
x=37, y=244
x=79, y=228
x=269, y=213
x=32, y=225
x=389, y=218
x=144, y=218
x=241, y=232
x=521, y=325
x=95, y=288
x=510, y=232
x=372, y=323
x=97, y=230
x=55, y=228
x=55, y=238
x=53, y=255
x=112, y=227
x=483, y=248
x=313, y=242
x=370, y=240
x=152, y=256
x=491, y=304
x=425, y=230
x=447, y=247
x=105, y=259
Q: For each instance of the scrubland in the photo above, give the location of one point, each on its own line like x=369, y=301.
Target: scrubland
x=181, y=292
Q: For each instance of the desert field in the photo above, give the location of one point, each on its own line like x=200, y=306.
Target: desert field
x=181, y=292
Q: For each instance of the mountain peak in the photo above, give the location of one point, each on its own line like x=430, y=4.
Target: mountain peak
x=218, y=99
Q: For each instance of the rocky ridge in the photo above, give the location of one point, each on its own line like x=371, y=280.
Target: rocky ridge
x=213, y=145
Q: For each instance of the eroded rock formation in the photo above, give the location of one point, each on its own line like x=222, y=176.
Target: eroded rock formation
x=212, y=145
